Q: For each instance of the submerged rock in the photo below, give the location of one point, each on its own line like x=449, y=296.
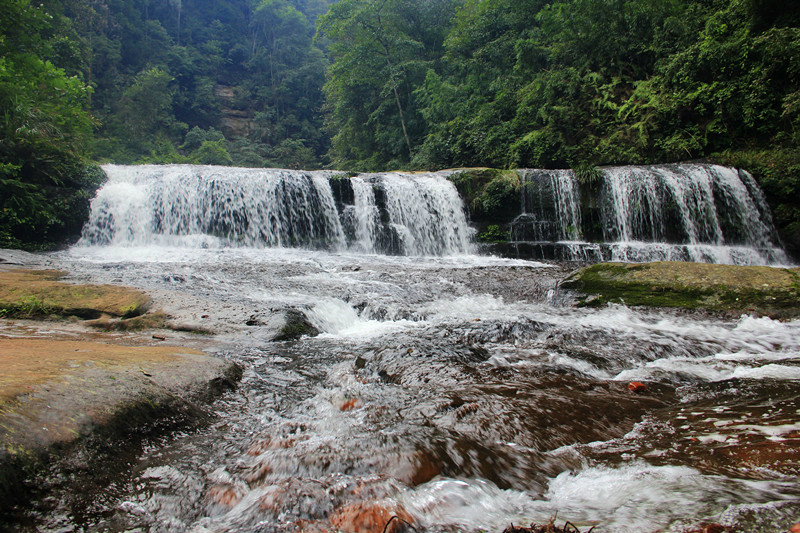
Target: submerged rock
x=372, y=517
x=741, y=289
x=295, y=326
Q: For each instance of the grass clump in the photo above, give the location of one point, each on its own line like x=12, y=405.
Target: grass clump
x=493, y=195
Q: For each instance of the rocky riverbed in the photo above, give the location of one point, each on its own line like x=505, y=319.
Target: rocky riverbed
x=72, y=394
x=459, y=393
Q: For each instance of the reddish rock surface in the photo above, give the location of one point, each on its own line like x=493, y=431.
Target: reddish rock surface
x=224, y=495
x=371, y=517
x=636, y=386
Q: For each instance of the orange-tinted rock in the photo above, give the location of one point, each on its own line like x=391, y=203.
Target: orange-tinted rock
x=636, y=386
x=371, y=517
x=259, y=472
x=426, y=468
x=780, y=456
x=415, y=469
x=350, y=404
x=259, y=446
x=223, y=495
x=795, y=528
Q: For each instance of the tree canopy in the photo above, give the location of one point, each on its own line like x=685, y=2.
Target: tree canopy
x=388, y=84
x=44, y=129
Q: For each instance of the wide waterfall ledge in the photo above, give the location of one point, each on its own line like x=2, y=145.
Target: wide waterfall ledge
x=687, y=212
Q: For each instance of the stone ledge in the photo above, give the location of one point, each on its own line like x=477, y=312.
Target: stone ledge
x=768, y=291
x=63, y=399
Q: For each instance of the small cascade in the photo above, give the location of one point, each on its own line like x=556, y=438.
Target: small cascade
x=551, y=208
x=688, y=212
x=189, y=205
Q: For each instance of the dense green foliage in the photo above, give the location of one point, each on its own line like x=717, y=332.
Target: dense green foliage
x=386, y=84
x=381, y=51
x=574, y=84
x=44, y=179
x=531, y=83
x=244, y=73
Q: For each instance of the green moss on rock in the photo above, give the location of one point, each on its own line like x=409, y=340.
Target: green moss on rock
x=759, y=290
x=39, y=293
x=492, y=195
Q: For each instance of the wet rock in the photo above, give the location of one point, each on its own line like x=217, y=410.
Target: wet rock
x=710, y=528
x=416, y=469
x=550, y=527
x=67, y=403
x=253, y=321
x=372, y=517
x=296, y=497
x=348, y=404
x=768, y=456
x=764, y=291
x=311, y=526
x=637, y=387
x=465, y=410
x=223, y=495
x=296, y=325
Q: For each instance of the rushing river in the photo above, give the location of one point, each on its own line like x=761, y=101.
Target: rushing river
x=461, y=392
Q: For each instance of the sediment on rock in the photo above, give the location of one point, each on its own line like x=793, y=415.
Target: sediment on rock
x=78, y=406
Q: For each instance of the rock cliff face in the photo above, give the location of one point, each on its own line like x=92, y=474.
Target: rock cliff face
x=232, y=121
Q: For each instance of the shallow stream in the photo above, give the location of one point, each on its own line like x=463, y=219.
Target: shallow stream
x=460, y=393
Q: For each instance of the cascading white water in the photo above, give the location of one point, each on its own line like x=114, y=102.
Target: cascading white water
x=367, y=216
x=690, y=212
x=220, y=206
x=550, y=206
x=427, y=214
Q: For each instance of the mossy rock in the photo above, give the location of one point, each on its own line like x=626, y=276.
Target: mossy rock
x=759, y=290
x=39, y=293
x=296, y=325
x=491, y=194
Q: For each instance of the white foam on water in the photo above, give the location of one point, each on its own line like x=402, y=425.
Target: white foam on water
x=631, y=498
x=337, y=318
x=481, y=307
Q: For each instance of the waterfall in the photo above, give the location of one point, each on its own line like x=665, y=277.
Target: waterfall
x=687, y=212
x=190, y=205
x=550, y=207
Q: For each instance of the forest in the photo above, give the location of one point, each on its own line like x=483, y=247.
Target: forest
x=369, y=85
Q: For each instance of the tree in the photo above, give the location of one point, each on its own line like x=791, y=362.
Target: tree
x=381, y=51
x=44, y=128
